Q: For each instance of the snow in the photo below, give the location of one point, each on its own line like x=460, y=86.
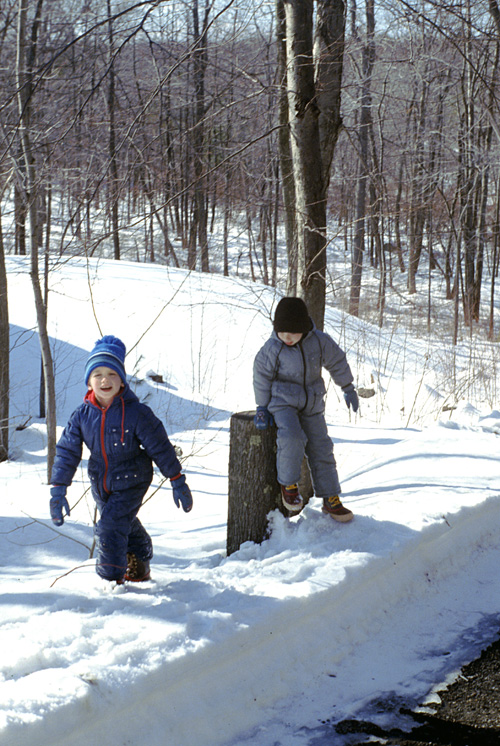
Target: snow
x=278, y=643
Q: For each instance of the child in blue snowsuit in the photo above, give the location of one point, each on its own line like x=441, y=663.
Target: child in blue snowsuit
x=289, y=387
x=124, y=437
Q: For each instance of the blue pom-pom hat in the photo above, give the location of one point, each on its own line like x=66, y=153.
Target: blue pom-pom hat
x=109, y=352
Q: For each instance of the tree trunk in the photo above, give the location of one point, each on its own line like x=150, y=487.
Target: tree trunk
x=227, y=208
x=25, y=104
x=359, y=241
x=365, y=121
x=494, y=266
x=20, y=217
x=313, y=66
x=285, y=155
x=113, y=165
x=253, y=489
x=200, y=61
x=329, y=40
x=306, y=155
x=4, y=356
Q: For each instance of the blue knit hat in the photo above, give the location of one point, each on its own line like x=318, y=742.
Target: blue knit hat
x=110, y=352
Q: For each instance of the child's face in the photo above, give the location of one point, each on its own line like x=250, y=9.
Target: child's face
x=289, y=338
x=105, y=383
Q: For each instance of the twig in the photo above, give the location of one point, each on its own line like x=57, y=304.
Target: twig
x=78, y=567
x=65, y=536
x=155, y=491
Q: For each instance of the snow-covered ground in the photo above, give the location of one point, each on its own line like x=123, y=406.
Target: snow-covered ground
x=278, y=643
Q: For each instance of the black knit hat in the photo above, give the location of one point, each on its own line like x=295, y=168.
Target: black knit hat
x=291, y=316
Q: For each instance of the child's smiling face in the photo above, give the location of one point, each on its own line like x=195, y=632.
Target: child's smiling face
x=105, y=383
x=289, y=338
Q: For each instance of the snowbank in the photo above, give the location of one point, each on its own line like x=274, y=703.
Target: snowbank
x=280, y=641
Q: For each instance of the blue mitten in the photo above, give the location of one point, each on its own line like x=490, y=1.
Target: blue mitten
x=182, y=493
x=263, y=418
x=58, y=503
x=351, y=397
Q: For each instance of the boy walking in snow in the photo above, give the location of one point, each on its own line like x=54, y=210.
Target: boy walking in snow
x=124, y=437
x=289, y=388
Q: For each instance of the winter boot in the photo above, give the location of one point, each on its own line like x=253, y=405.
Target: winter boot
x=334, y=507
x=137, y=569
x=291, y=498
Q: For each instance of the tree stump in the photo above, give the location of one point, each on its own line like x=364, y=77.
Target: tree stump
x=253, y=489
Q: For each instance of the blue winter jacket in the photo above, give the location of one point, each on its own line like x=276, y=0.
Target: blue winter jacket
x=291, y=376
x=123, y=440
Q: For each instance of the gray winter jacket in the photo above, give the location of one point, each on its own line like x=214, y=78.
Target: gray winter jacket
x=291, y=376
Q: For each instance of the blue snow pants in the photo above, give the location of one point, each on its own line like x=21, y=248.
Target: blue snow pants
x=300, y=433
x=119, y=531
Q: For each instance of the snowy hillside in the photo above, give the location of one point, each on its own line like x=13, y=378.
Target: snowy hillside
x=280, y=642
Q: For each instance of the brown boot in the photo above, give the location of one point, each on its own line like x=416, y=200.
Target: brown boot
x=291, y=498
x=137, y=569
x=334, y=507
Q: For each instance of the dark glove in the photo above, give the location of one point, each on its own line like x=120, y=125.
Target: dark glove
x=182, y=493
x=58, y=503
x=351, y=397
x=263, y=418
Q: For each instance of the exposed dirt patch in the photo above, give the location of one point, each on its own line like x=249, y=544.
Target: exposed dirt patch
x=469, y=713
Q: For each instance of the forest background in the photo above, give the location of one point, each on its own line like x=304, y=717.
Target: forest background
x=306, y=128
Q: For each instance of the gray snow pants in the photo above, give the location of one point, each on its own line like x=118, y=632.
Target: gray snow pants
x=305, y=433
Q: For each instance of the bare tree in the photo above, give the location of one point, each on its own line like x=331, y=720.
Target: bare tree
x=113, y=155
x=200, y=61
x=25, y=66
x=4, y=354
x=363, y=134
x=314, y=59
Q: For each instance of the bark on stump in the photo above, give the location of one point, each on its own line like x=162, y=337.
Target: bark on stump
x=253, y=489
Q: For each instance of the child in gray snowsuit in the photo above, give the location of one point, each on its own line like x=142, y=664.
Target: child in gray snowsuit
x=289, y=387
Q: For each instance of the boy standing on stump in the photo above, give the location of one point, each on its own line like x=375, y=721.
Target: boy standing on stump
x=124, y=437
x=289, y=388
